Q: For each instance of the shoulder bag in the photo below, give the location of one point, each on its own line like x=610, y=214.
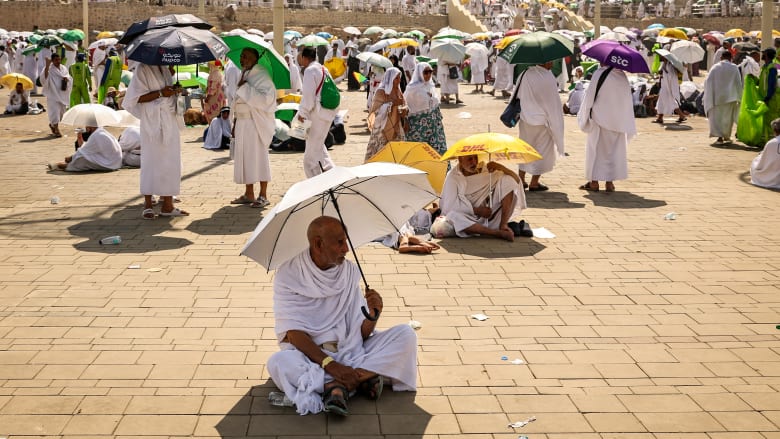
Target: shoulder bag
x=330, y=97
x=511, y=113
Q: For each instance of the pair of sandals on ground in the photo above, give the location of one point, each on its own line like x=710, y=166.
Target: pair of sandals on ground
x=335, y=396
x=683, y=117
x=256, y=203
x=150, y=214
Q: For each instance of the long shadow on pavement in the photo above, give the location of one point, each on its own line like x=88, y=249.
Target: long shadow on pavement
x=745, y=178
x=228, y=220
x=622, y=200
x=394, y=414
x=550, y=200
x=491, y=248
x=138, y=236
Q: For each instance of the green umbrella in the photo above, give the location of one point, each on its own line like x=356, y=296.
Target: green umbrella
x=32, y=48
x=269, y=58
x=73, y=35
x=34, y=38
x=50, y=40
x=416, y=34
x=197, y=81
x=312, y=40
x=286, y=111
x=537, y=48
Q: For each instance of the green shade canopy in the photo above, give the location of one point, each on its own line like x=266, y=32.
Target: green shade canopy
x=73, y=35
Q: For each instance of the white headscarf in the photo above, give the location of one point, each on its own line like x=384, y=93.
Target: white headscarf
x=417, y=76
x=387, y=80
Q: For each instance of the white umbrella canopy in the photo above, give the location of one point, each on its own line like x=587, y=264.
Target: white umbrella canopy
x=104, y=41
x=127, y=120
x=312, y=40
x=448, y=50
x=91, y=115
x=352, y=30
x=373, y=30
x=687, y=51
x=676, y=63
x=374, y=200
x=615, y=36
x=375, y=59
x=476, y=49
x=255, y=32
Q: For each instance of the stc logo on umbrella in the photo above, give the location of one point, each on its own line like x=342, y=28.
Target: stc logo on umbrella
x=619, y=61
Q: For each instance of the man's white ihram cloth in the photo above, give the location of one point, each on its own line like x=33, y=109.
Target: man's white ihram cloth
x=254, y=109
x=101, y=150
x=130, y=141
x=56, y=98
x=161, y=159
x=609, y=126
x=461, y=194
x=722, y=93
x=669, y=95
x=326, y=305
x=541, y=118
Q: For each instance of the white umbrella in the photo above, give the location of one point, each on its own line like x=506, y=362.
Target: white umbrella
x=476, y=49
x=312, y=40
x=236, y=31
x=448, y=50
x=255, y=31
x=105, y=41
x=687, y=51
x=127, y=120
x=375, y=59
x=372, y=200
x=676, y=63
x=352, y=30
x=91, y=115
x=615, y=36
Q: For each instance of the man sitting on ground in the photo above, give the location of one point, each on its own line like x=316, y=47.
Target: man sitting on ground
x=130, y=141
x=18, y=101
x=218, y=134
x=329, y=348
x=100, y=153
x=476, y=200
x=765, y=169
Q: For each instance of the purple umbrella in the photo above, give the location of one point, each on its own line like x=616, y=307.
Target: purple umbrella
x=617, y=55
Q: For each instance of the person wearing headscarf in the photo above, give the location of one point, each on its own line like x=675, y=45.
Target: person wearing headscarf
x=151, y=97
x=384, y=118
x=765, y=168
x=219, y=132
x=541, y=121
x=425, y=118
x=254, y=129
x=215, y=96
x=130, y=141
x=767, y=91
x=56, y=87
x=609, y=121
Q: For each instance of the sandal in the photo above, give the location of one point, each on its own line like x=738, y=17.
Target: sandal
x=242, y=200
x=539, y=188
x=335, y=403
x=661, y=121
x=681, y=119
x=148, y=214
x=175, y=212
x=372, y=388
x=587, y=187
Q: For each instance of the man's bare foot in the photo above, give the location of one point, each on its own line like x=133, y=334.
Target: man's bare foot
x=506, y=233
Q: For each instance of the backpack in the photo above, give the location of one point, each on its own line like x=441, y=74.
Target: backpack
x=330, y=97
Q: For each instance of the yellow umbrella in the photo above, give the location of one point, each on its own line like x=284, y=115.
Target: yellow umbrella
x=481, y=36
x=336, y=66
x=418, y=155
x=105, y=34
x=671, y=32
x=11, y=79
x=739, y=33
x=403, y=42
x=506, y=40
x=496, y=146
x=775, y=34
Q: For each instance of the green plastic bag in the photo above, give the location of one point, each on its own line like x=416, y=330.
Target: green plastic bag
x=656, y=67
x=750, y=125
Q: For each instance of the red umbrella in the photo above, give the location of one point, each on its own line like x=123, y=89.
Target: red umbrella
x=715, y=39
x=511, y=32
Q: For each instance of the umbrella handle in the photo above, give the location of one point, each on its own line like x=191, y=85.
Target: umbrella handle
x=368, y=316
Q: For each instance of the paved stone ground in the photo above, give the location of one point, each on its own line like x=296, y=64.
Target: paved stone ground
x=630, y=326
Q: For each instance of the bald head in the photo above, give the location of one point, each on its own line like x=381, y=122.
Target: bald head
x=327, y=242
x=322, y=226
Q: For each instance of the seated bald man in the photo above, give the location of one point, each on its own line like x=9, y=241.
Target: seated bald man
x=329, y=349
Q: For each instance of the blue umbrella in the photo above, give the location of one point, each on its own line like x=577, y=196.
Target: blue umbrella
x=293, y=33
x=325, y=35
x=656, y=26
x=164, y=21
x=176, y=46
x=617, y=55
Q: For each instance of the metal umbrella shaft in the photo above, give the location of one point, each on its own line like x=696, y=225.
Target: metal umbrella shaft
x=363, y=309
